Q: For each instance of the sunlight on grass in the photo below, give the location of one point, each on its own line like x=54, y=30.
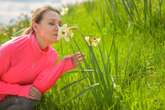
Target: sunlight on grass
x=124, y=46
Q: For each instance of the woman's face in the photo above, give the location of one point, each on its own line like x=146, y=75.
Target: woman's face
x=48, y=27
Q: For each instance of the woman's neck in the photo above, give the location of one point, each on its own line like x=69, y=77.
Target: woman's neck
x=42, y=44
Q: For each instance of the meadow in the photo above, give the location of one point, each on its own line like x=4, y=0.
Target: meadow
x=124, y=71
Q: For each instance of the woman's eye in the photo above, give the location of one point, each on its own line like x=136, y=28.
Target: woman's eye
x=51, y=24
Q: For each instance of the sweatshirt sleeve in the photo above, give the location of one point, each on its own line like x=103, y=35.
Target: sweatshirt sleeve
x=5, y=57
x=6, y=50
x=14, y=89
x=48, y=78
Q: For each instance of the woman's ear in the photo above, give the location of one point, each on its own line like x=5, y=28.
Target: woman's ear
x=35, y=26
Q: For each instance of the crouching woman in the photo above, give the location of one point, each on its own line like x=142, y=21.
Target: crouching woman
x=27, y=62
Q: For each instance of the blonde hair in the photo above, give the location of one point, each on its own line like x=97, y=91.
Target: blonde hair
x=37, y=16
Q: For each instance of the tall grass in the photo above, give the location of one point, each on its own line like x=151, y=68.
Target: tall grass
x=126, y=70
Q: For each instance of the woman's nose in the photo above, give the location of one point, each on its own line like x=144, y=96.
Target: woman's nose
x=57, y=27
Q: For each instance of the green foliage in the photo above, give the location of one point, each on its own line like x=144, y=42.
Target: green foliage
x=126, y=70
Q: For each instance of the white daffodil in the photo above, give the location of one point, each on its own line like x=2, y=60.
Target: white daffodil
x=92, y=41
x=65, y=32
x=64, y=11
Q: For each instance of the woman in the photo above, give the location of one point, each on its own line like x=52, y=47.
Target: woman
x=27, y=62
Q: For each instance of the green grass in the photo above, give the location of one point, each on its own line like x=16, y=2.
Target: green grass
x=128, y=64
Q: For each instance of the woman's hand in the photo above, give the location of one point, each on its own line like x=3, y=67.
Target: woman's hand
x=77, y=58
x=35, y=93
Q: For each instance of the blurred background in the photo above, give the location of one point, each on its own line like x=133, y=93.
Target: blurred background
x=11, y=9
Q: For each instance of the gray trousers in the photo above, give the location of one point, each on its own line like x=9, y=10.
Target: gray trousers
x=17, y=103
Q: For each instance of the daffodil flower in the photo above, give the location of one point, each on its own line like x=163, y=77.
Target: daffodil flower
x=65, y=32
x=64, y=11
x=92, y=41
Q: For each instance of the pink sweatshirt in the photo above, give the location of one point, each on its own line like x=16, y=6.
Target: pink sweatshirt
x=23, y=64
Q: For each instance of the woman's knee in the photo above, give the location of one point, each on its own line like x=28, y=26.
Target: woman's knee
x=20, y=107
x=26, y=103
x=21, y=103
x=15, y=107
